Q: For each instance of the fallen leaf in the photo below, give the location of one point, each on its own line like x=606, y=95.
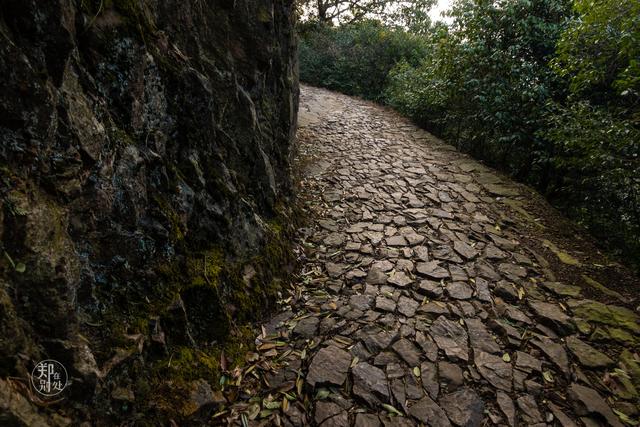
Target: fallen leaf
x=391, y=409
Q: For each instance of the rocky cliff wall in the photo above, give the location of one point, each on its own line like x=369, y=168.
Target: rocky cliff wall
x=144, y=180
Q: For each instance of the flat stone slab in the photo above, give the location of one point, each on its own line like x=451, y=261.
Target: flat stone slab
x=329, y=366
x=450, y=338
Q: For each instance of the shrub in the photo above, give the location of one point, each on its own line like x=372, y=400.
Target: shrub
x=355, y=59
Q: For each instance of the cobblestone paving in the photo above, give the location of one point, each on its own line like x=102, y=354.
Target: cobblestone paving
x=420, y=302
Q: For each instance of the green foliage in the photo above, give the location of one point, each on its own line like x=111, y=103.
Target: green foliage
x=600, y=51
x=597, y=171
x=486, y=83
x=355, y=59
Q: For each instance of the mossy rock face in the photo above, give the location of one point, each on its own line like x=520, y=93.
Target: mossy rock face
x=144, y=184
x=612, y=315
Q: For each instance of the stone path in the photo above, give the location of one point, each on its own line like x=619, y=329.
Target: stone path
x=421, y=300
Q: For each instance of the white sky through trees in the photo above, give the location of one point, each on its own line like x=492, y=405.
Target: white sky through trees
x=440, y=7
x=340, y=16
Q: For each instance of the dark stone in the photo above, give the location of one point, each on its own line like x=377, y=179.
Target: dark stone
x=370, y=384
x=408, y=351
x=587, y=401
x=329, y=414
x=507, y=291
x=376, y=276
x=361, y=302
x=329, y=366
x=480, y=337
x=587, y=355
x=432, y=270
x=463, y=407
x=145, y=160
x=555, y=352
x=427, y=411
x=507, y=407
x=307, y=327
x=465, y=250
x=495, y=370
x=551, y=315
x=562, y=418
x=407, y=306
x=527, y=362
x=430, y=288
x=450, y=375
x=529, y=410
x=377, y=342
x=385, y=304
x=366, y=420
x=450, y=338
x=459, y=290
x=429, y=376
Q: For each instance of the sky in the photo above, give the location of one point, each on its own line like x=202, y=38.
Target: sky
x=438, y=8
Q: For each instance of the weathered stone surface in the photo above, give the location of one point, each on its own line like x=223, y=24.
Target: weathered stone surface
x=587, y=401
x=385, y=304
x=495, y=370
x=370, y=384
x=329, y=366
x=361, y=302
x=459, y=290
x=464, y=250
x=507, y=291
x=396, y=241
x=561, y=289
x=334, y=270
x=329, y=414
x=587, y=355
x=307, y=327
x=562, y=418
x=428, y=412
x=377, y=342
x=552, y=316
x=17, y=410
x=376, y=276
x=482, y=290
x=555, y=352
x=432, y=269
x=451, y=375
x=507, y=407
x=480, y=337
x=450, y=337
x=366, y=420
x=429, y=376
x=430, y=288
x=527, y=363
x=407, y=306
x=529, y=410
x=463, y=407
x=408, y=351
x=145, y=172
x=399, y=279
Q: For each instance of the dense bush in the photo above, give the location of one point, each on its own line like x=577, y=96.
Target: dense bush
x=486, y=83
x=597, y=171
x=355, y=59
x=547, y=90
